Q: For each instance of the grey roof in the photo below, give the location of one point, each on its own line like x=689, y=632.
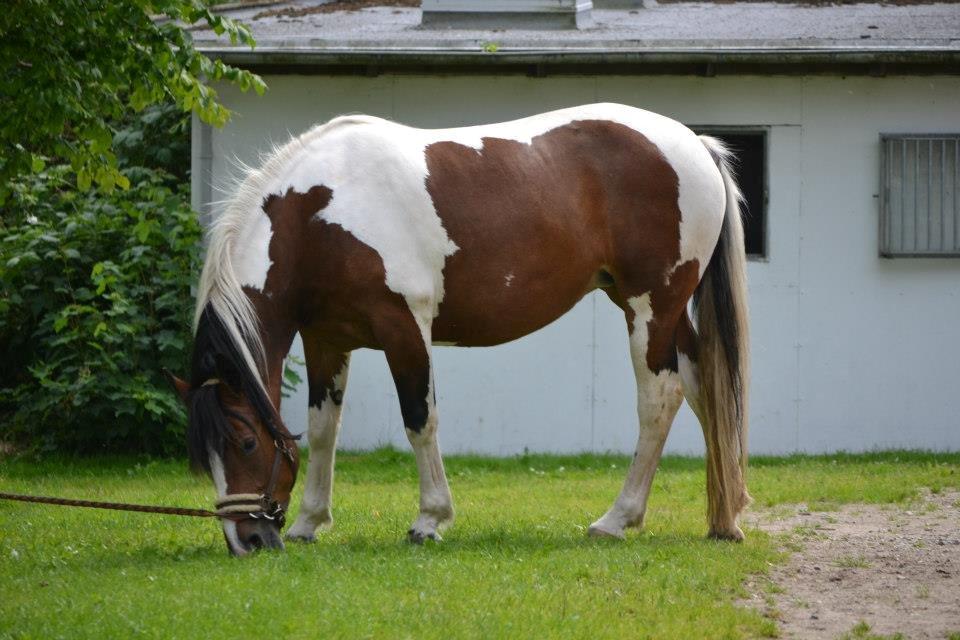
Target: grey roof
x=740, y=34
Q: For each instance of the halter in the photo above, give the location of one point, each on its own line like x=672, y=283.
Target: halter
x=242, y=506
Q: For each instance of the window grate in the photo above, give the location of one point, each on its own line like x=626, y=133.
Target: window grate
x=919, y=200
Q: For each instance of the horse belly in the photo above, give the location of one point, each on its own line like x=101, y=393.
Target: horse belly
x=510, y=295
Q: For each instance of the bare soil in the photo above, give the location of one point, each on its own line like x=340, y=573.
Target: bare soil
x=895, y=568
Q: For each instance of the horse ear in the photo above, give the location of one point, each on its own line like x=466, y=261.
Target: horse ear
x=182, y=387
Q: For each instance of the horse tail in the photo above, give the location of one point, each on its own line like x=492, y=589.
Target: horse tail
x=723, y=358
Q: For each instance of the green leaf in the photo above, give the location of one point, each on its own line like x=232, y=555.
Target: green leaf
x=83, y=70
x=83, y=180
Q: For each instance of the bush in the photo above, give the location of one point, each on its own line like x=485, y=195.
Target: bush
x=95, y=300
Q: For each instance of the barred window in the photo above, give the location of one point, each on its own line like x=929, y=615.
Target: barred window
x=919, y=203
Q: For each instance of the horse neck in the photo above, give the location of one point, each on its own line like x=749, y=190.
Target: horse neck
x=277, y=330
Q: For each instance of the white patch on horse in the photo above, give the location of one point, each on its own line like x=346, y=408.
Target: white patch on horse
x=218, y=475
x=508, y=279
x=377, y=172
x=220, y=482
x=253, y=263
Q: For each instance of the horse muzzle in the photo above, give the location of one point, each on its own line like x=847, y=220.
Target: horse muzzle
x=252, y=534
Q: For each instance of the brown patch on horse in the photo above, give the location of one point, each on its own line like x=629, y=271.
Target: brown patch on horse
x=591, y=203
x=323, y=366
x=669, y=303
x=332, y=287
x=320, y=274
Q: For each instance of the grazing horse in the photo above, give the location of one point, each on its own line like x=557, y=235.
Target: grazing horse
x=367, y=233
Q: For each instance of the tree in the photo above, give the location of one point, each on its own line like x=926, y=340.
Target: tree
x=68, y=68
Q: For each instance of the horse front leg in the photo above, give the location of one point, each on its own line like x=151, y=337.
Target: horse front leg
x=407, y=347
x=327, y=379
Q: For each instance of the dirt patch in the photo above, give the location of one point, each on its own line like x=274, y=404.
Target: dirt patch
x=897, y=569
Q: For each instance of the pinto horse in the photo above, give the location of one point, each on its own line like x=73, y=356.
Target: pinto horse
x=367, y=233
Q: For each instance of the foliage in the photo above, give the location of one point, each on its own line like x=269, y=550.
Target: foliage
x=516, y=564
x=292, y=366
x=157, y=137
x=71, y=68
x=94, y=301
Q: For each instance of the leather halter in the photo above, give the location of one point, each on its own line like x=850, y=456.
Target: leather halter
x=242, y=506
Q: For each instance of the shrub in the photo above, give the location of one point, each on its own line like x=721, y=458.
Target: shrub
x=95, y=300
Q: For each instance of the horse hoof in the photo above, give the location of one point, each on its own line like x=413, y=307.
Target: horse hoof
x=596, y=531
x=301, y=538
x=419, y=537
x=734, y=535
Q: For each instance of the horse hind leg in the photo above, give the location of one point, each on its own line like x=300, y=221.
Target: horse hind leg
x=659, y=396
x=327, y=378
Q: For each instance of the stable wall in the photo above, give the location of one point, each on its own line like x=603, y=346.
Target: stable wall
x=851, y=351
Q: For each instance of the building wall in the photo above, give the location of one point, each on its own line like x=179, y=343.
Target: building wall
x=851, y=351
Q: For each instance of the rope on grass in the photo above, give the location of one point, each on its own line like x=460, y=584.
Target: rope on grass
x=117, y=506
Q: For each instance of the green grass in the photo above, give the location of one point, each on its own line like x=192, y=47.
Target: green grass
x=861, y=631
x=852, y=562
x=516, y=564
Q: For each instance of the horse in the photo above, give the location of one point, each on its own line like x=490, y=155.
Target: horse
x=363, y=232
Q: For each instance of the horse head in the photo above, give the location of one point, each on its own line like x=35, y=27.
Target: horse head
x=236, y=436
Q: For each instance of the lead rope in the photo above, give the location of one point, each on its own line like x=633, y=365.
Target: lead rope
x=117, y=506
x=232, y=506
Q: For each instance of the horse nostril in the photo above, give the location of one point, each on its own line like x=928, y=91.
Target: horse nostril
x=256, y=541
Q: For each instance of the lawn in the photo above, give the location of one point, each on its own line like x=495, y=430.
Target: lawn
x=516, y=564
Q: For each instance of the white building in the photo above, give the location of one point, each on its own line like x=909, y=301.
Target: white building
x=851, y=350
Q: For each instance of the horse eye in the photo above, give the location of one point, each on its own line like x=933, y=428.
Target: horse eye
x=249, y=445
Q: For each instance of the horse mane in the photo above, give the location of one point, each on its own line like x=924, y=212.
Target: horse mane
x=217, y=357
x=227, y=340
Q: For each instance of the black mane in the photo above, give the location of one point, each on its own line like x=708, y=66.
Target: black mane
x=217, y=356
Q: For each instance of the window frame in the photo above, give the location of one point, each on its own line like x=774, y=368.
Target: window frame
x=746, y=129
x=883, y=196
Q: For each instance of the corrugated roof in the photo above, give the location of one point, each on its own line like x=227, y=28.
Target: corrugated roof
x=882, y=38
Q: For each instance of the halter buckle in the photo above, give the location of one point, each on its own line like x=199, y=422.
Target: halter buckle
x=271, y=510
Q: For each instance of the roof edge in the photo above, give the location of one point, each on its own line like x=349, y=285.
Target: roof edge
x=291, y=55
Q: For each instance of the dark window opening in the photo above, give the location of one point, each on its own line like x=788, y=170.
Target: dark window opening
x=750, y=149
